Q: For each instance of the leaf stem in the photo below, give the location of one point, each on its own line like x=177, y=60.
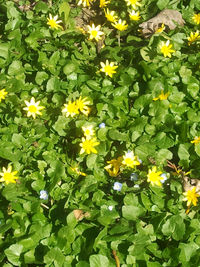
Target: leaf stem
x=116, y=258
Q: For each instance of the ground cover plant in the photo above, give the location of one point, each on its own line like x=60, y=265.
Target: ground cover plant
x=99, y=133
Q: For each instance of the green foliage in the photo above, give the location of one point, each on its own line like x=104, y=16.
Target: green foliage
x=149, y=106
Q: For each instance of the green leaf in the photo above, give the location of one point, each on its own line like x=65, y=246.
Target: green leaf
x=176, y=97
x=183, y=152
x=131, y=199
x=197, y=149
x=64, y=8
x=58, y=172
x=146, y=201
x=94, y=85
x=13, y=254
x=125, y=79
x=29, y=257
x=41, y=76
x=11, y=192
x=154, y=264
x=53, y=61
x=18, y=140
x=163, y=155
x=41, y=7
x=179, y=38
x=185, y=74
x=161, y=4
x=163, y=141
x=193, y=89
x=91, y=160
x=99, y=261
x=4, y=48
x=174, y=227
x=82, y=264
x=144, y=151
x=99, y=237
x=5, y=227
x=132, y=213
x=69, y=67
x=15, y=68
x=38, y=185
x=187, y=251
x=54, y=256
x=102, y=134
x=53, y=84
x=61, y=125
x=116, y=135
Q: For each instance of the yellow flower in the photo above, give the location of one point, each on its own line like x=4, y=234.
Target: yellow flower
x=110, y=15
x=88, y=131
x=166, y=49
x=88, y=145
x=85, y=3
x=120, y=25
x=133, y=3
x=114, y=166
x=162, y=96
x=8, y=176
x=196, y=140
x=191, y=197
x=95, y=32
x=129, y=160
x=3, y=93
x=108, y=68
x=82, y=105
x=70, y=109
x=77, y=171
x=161, y=28
x=194, y=36
x=154, y=177
x=196, y=18
x=134, y=15
x=81, y=30
x=33, y=108
x=54, y=23
x=103, y=3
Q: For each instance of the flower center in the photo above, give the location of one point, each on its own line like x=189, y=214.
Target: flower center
x=87, y=145
x=52, y=23
x=87, y=132
x=128, y=161
x=94, y=33
x=108, y=69
x=32, y=109
x=72, y=108
x=8, y=176
x=154, y=177
x=165, y=49
x=110, y=17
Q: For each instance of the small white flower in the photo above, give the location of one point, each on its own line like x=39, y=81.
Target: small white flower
x=134, y=176
x=164, y=176
x=110, y=208
x=117, y=186
x=43, y=194
x=102, y=125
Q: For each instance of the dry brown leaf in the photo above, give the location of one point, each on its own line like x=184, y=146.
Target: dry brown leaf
x=79, y=214
x=166, y=17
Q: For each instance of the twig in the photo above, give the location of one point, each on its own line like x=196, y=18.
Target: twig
x=118, y=37
x=116, y=258
x=45, y=206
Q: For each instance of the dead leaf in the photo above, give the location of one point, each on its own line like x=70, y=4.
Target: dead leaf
x=168, y=17
x=80, y=214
